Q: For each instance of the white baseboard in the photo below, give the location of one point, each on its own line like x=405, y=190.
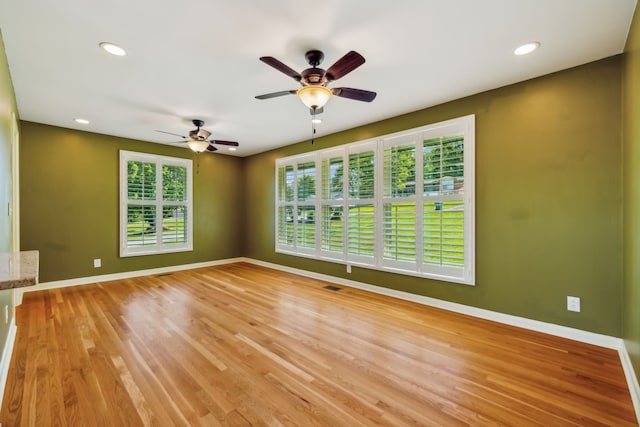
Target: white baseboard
x=632, y=380
x=118, y=276
x=6, y=358
x=522, y=322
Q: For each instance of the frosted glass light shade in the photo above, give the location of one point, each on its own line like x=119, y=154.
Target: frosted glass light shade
x=198, y=146
x=314, y=96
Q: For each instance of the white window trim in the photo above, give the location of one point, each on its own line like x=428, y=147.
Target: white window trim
x=158, y=248
x=466, y=275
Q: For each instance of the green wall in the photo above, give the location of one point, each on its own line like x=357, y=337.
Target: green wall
x=631, y=195
x=69, y=203
x=7, y=110
x=548, y=199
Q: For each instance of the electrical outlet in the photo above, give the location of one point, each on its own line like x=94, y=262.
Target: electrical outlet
x=348, y=268
x=97, y=263
x=6, y=314
x=573, y=303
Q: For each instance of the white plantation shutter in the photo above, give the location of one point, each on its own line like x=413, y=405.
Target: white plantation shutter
x=285, y=179
x=141, y=209
x=156, y=201
x=285, y=214
x=174, y=210
x=144, y=187
x=443, y=225
x=306, y=209
x=332, y=205
x=444, y=203
x=361, y=230
x=399, y=228
x=361, y=174
x=399, y=203
x=402, y=203
x=306, y=233
x=285, y=218
x=333, y=230
x=296, y=206
x=306, y=182
x=174, y=228
x=361, y=226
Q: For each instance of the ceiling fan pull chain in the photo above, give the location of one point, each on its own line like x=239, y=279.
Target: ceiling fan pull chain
x=313, y=125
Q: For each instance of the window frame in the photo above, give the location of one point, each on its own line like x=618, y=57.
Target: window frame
x=464, y=126
x=159, y=161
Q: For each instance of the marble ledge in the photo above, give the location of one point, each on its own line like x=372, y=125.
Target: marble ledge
x=18, y=269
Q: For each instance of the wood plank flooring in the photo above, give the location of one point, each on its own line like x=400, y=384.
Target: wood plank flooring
x=243, y=345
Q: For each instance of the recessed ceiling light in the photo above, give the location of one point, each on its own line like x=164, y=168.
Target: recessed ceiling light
x=113, y=49
x=526, y=48
x=232, y=148
x=316, y=121
x=82, y=121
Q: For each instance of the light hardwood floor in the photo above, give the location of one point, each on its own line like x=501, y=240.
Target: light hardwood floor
x=243, y=345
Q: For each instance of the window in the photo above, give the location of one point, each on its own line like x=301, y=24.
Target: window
x=402, y=203
x=156, y=213
x=332, y=206
x=360, y=204
x=306, y=212
x=399, y=203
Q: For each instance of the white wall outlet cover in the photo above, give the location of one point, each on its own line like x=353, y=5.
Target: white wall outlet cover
x=97, y=263
x=573, y=303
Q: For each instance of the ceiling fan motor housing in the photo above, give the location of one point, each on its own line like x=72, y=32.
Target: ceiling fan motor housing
x=313, y=76
x=199, y=134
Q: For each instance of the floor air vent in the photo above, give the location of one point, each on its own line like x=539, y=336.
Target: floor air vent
x=332, y=288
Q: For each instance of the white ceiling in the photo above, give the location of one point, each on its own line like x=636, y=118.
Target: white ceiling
x=199, y=59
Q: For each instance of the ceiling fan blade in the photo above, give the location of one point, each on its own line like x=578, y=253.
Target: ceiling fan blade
x=344, y=65
x=276, y=94
x=270, y=60
x=356, y=94
x=211, y=148
x=220, y=142
x=174, y=134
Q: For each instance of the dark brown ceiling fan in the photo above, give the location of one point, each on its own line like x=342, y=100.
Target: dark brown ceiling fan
x=314, y=92
x=198, y=139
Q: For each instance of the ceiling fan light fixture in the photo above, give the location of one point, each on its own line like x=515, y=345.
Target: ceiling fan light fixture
x=314, y=96
x=197, y=145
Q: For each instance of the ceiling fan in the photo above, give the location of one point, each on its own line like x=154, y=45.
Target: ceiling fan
x=314, y=92
x=198, y=139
